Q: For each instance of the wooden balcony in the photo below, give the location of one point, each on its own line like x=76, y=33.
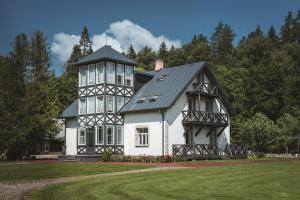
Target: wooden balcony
x=206, y=151
x=205, y=118
x=205, y=89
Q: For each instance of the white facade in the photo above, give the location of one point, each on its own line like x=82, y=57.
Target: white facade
x=173, y=128
x=71, y=136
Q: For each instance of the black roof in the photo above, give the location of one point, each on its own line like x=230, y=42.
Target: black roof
x=105, y=53
x=175, y=81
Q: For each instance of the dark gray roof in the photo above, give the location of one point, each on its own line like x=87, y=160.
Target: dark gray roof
x=105, y=53
x=175, y=82
x=71, y=111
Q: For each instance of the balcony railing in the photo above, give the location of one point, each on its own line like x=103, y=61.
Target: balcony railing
x=100, y=149
x=206, y=88
x=206, y=118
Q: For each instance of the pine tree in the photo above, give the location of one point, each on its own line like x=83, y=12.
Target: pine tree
x=131, y=52
x=85, y=43
x=287, y=29
x=297, y=27
x=221, y=41
x=163, y=50
x=272, y=35
x=257, y=33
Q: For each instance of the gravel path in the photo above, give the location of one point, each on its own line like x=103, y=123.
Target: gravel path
x=16, y=189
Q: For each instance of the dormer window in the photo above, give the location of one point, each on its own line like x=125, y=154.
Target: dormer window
x=141, y=100
x=154, y=98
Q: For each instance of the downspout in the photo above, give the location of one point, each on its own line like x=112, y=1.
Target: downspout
x=163, y=131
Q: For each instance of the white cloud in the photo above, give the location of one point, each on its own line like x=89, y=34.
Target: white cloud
x=119, y=35
x=63, y=45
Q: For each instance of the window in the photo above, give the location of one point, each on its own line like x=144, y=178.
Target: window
x=141, y=100
x=90, y=105
x=82, y=76
x=154, y=98
x=82, y=136
x=120, y=103
x=100, y=73
x=128, y=75
x=100, y=104
x=120, y=74
x=161, y=77
x=92, y=74
x=119, y=135
x=110, y=104
x=110, y=72
x=82, y=106
x=100, y=135
x=142, y=137
x=109, y=135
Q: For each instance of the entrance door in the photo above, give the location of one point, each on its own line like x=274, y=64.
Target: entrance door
x=90, y=137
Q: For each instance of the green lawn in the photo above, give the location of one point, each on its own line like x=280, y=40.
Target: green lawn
x=41, y=171
x=254, y=181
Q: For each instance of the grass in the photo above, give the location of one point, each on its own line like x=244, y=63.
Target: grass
x=36, y=171
x=254, y=181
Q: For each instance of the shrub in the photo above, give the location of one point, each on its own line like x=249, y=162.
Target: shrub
x=107, y=156
x=260, y=155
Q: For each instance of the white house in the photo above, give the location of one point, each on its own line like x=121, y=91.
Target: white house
x=175, y=110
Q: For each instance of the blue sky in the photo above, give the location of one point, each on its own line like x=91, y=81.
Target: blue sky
x=138, y=22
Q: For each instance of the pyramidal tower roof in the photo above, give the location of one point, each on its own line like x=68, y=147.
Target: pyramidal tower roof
x=105, y=53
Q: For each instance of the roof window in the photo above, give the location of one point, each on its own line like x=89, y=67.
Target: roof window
x=161, y=77
x=141, y=100
x=154, y=98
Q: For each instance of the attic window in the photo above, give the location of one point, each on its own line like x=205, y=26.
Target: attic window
x=162, y=77
x=141, y=100
x=154, y=98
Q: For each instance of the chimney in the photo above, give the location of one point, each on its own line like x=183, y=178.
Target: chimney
x=159, y=64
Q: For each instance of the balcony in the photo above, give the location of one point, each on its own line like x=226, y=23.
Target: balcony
x=205, y=118
x=206, y=89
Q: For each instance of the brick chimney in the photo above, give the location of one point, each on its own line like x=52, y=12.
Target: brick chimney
x=159, y=64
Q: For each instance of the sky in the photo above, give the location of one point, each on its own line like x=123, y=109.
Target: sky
x=137, y=22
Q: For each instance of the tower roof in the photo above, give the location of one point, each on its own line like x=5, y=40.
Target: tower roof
x=105, y=53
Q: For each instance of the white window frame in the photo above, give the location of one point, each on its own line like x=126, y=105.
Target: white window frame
x=130, y=77
x=80, y=105
x=118, y=136
x=88, y=105
x=113, y=133
x=97, y=104
x=110, y=80
x=122, y=104
x=79, y=136
x=98, y=66
x=142, y=138
x=83, y=68
x=89, y=76
x=107, y=103
x=118, y=74
x=97, y=135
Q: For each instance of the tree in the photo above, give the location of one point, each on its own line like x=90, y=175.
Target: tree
x=289, y=127
x=163, y=51
x=287, y=29
x=272, y=35
x=131, y=52
x=221, y=41
x=145, y=58
x=85, y=43
x=257, y=33
x=258, y=131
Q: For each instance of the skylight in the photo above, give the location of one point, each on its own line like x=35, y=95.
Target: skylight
x=154, y=98
x=161, y=77
x=141, y=100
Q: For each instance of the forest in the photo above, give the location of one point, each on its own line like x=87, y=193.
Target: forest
x=260, y=76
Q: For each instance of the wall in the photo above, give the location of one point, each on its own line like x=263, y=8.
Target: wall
x=153, y=121
x=71, y=136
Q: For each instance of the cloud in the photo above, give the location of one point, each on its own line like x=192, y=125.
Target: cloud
x=119, y=35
